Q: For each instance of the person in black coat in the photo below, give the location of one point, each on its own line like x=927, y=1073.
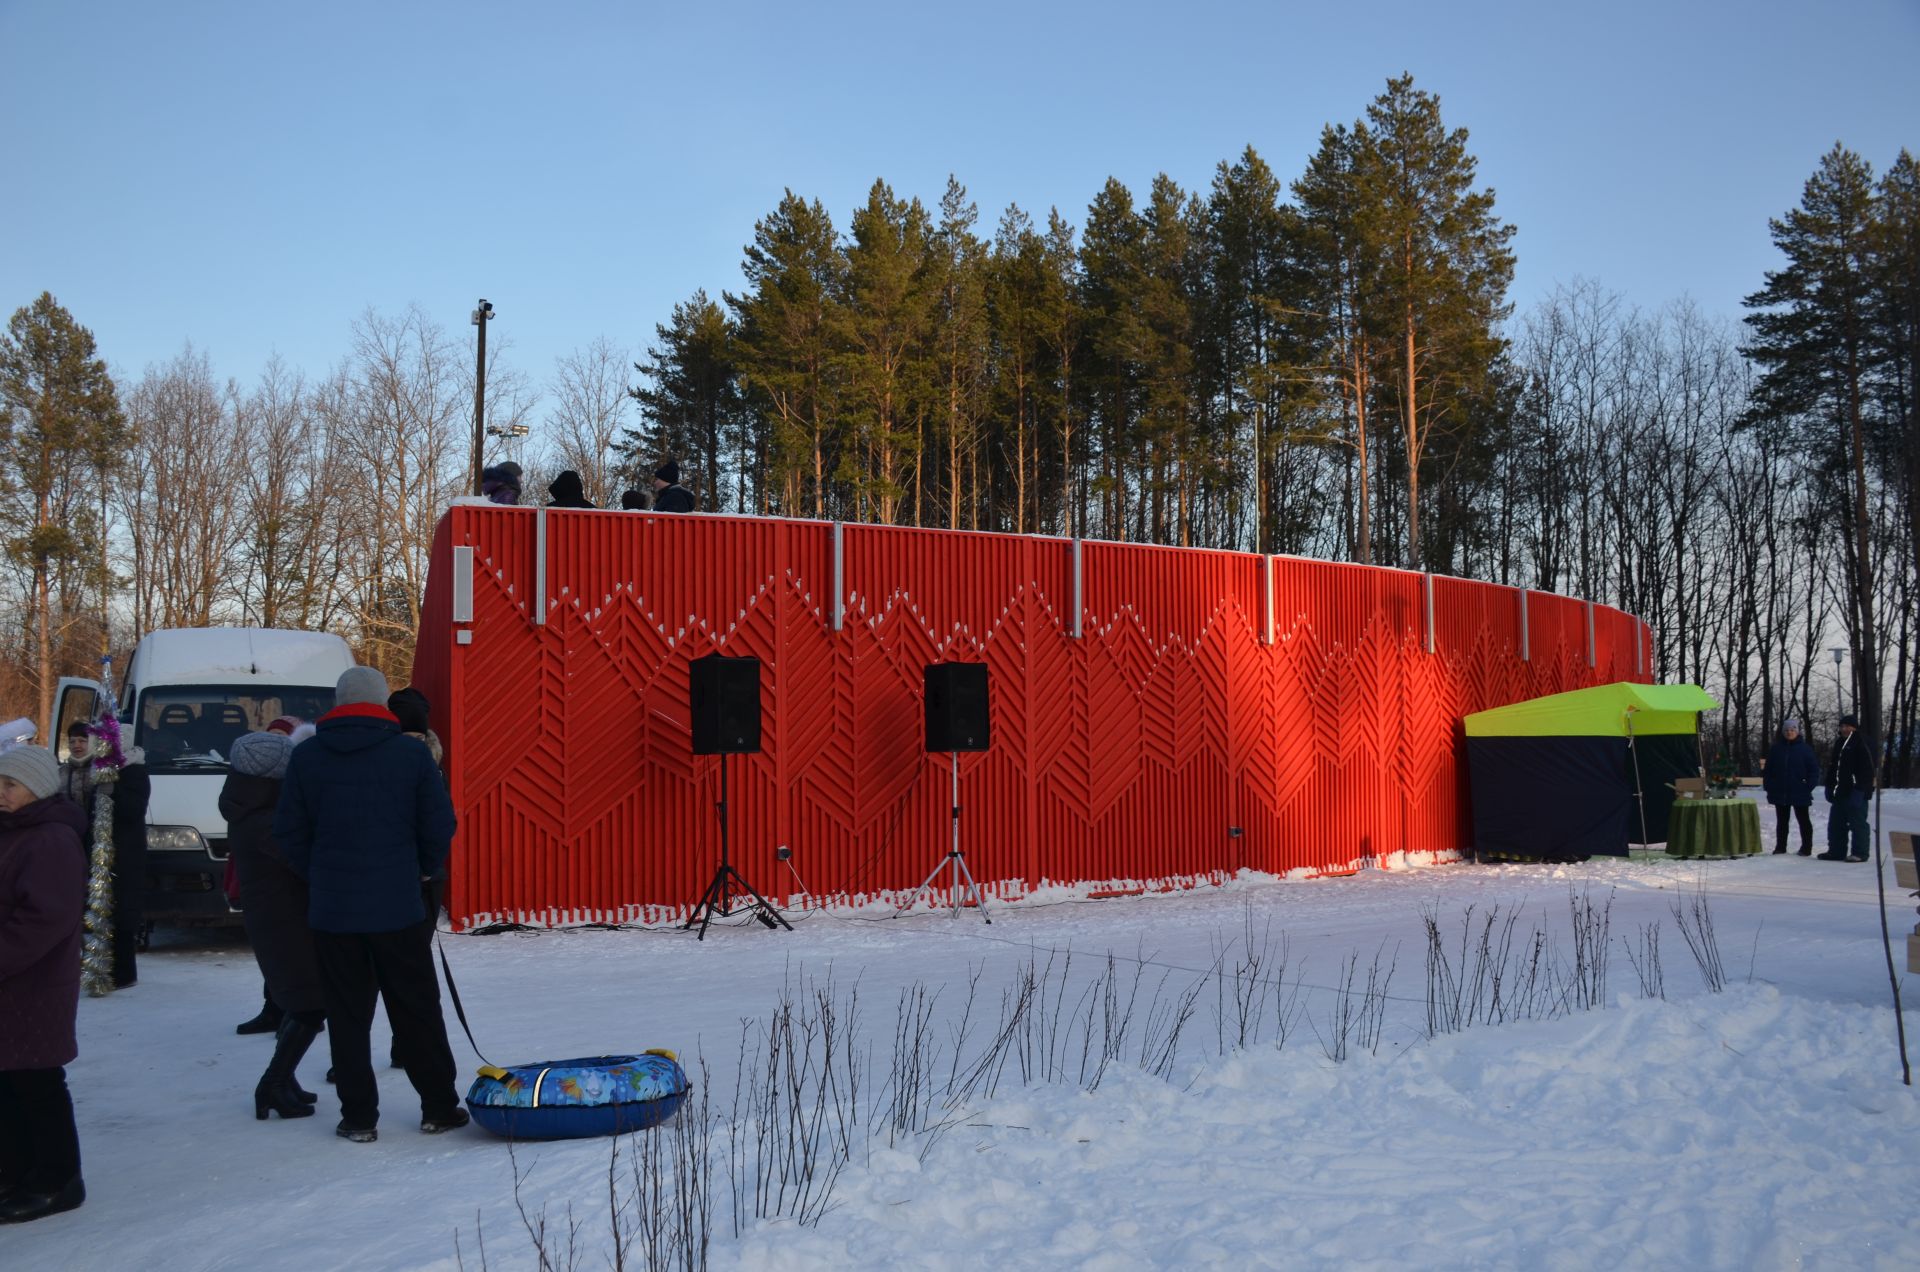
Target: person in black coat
x=668, y=494
x=1792, y=771
x=364, y=817
x=273, y=905
x=568, y=491
x=1849, y=782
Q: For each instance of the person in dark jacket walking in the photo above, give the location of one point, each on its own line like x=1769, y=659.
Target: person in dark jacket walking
x=567, y=491
x=364, y=817
x=273, y=905
x=668, y=494
x=1792, y=771
x=1849, y=783
x=43, y=888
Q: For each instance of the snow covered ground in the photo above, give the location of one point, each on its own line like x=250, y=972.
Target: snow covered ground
x=1762, y=1127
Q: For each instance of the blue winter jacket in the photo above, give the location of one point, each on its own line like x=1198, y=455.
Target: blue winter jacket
x=1792, y=773
x=363, y=817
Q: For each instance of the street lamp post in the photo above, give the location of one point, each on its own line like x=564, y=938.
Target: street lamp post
x=482, y=314
x=1839, y=653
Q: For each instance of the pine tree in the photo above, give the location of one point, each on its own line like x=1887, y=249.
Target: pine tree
x=1813, y=337
x=957, y=283
x=1022, y=293
x=1065, y=321
x=884, y=328
x=1165, y=299
x=61, y=428
x=1113, y=271
x=691, y=402
x=1441, y=291
x=796, y=276
x=1247, y=265
x=1897, y=249
x=1339, y=277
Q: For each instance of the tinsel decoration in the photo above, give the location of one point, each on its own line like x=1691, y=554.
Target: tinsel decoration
x=96, y=951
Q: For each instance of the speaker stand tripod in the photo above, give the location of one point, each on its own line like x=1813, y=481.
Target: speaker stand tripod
x=955, y=862
x=727, y=881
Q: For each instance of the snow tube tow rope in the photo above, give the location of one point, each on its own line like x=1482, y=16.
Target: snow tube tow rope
x=576, y=1099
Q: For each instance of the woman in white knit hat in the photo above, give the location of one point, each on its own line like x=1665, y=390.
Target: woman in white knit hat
x=43, y=886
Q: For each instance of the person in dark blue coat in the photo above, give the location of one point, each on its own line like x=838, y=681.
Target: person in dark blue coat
x=364, y=818
x=1791, y=774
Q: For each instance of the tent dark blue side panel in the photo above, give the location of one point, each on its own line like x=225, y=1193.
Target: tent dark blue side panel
x=1663, y=757
x=1550, y=799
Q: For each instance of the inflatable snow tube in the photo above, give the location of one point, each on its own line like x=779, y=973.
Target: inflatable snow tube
x=576, y=1099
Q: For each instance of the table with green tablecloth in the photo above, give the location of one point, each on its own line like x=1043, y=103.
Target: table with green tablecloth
x=1713, y=828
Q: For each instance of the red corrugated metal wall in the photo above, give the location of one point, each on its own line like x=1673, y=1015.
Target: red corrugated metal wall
x=1205, y=711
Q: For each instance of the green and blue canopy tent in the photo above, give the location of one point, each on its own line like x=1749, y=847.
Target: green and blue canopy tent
x=1571, y=775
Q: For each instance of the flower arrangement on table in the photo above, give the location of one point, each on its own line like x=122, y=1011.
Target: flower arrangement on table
x=1723, y=779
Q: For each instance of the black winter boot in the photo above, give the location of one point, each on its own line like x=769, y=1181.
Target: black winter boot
x=277, y=1091
x=23, y=1206
x=268, y=1021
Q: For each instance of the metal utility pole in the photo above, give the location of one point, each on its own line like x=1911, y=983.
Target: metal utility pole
x=482, y=313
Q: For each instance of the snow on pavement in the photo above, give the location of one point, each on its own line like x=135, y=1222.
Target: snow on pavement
x=1765, y=1127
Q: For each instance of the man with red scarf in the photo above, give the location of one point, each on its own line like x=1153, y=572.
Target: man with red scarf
x=364, y=817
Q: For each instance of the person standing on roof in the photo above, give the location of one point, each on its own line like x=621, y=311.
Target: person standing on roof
x=364, y=817
x=501, y=483
x=568, y=491
x=1791, y=773
x=668, y=494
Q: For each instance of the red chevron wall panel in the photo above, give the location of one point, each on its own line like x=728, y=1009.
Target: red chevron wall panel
x=1160, y=716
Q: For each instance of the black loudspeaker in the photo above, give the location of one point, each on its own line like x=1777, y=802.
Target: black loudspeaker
x=724, y=696
x=956, y=706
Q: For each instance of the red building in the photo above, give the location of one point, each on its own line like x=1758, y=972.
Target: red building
x=1160, y=716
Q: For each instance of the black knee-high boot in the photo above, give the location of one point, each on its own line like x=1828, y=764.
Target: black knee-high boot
x=268, y=1021
x=277, y=1091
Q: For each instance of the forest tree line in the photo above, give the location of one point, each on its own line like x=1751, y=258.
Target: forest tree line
x=1327, y=366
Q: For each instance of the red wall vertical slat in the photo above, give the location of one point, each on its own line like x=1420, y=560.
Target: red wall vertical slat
x=1127, y=753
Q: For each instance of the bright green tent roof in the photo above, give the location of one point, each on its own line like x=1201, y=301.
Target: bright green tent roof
x=1598, y=712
